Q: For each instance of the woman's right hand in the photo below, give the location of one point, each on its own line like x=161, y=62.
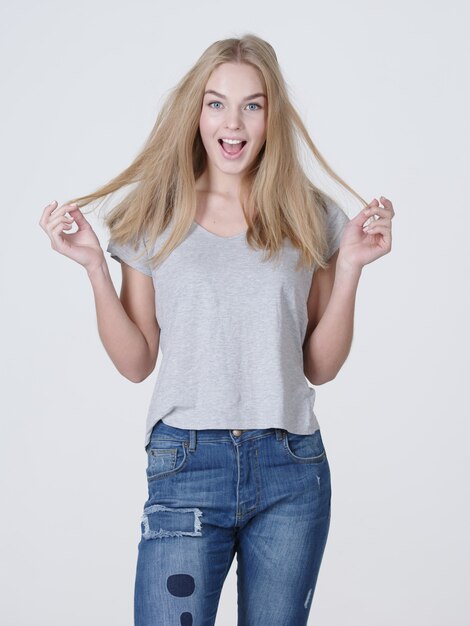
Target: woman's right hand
x=81, y=246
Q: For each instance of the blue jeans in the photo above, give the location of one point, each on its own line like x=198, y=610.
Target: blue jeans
x=262, y=494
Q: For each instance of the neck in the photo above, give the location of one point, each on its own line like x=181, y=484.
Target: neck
x=228, y=186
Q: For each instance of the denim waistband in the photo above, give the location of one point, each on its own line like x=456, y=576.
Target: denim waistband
x=164, y=431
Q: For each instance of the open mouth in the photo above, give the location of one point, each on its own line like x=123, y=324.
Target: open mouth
x=232, y=149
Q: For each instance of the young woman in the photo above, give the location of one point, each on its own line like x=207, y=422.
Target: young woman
x=245, y=274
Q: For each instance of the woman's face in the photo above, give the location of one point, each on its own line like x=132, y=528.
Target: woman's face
x=237, y=111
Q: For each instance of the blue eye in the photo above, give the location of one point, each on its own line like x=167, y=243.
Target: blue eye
x=249, y=105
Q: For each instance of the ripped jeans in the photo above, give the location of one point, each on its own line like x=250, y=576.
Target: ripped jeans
x=262, y=494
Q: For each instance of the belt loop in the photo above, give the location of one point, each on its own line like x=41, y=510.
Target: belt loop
x=192, y=440
x=279, y=433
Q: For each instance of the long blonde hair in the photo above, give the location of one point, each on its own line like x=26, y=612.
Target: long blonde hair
x=278, y=199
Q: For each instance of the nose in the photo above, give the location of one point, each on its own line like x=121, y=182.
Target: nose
x=233, y=120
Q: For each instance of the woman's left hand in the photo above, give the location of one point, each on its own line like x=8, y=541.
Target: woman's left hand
x=360, y=246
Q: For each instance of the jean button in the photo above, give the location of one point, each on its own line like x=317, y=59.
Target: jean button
x=237, y=433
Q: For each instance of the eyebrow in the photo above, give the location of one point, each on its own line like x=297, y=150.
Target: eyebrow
x=219, y=95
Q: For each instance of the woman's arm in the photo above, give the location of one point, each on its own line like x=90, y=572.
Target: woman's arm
x=328, y=346
x=127, y=327
x=334, y=294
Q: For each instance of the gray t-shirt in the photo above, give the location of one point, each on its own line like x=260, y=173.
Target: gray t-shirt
x=232, y=329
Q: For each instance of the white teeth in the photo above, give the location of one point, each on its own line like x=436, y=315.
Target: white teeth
x=232, y=140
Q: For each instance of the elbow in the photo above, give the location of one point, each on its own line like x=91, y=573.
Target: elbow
x=135, y=372
x=136, y=377
x=139, y=378
x=132, y=377
x=136, y=380
x=319, y=378
x=328, y=379
x=142, y=374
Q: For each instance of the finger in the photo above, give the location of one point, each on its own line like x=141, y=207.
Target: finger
x=55, y=230
x=58, y=219
x=384, y=231
x=384, y=240
x=80, y=220
x=58, y=238
x=58, y=228
x=46, y=212
x=58, y=210
x=387, y=204
x=379, y=210
x=373, y=229
x=367, y=210
x=379, y=213
x=373, y=214
x=62, y=210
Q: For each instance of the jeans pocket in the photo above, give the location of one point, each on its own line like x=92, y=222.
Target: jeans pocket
x=304, y=448
x=165, y=457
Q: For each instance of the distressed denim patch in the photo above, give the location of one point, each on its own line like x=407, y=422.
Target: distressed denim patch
x=161, y=521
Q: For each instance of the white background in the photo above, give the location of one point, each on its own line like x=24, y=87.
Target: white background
x=383, y=89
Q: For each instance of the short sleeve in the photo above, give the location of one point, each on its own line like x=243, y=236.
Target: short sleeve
x=127, y=254
x=336, y=223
